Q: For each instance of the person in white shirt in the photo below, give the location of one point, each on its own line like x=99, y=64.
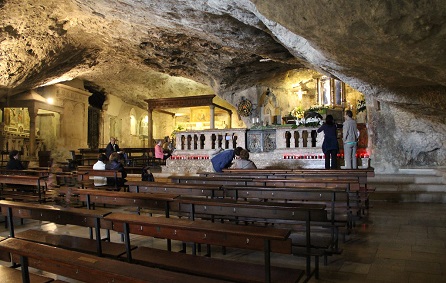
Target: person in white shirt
x=350, y=139
x=100, y=165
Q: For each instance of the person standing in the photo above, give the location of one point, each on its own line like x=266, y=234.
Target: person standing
x=112, y=147
x=350, y=138
x=14, y=163
x=330, y=145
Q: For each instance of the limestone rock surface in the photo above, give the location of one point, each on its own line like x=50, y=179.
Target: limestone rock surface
x=392, y=51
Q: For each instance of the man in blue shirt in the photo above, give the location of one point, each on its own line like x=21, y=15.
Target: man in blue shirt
x=223, y=159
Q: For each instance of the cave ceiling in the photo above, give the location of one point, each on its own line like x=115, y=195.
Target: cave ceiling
x=139, y=50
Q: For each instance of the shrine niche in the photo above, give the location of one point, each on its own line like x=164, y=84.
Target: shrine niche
x=269, y=110
x=200, y=115
x=16, y=121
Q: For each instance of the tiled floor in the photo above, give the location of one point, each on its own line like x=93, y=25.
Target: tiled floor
x=397, y=242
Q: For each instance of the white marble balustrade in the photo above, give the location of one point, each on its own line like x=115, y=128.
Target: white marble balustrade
x=300, y=137
x=198, y=142
x=208, y=140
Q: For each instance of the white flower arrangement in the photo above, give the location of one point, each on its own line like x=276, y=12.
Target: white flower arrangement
x=309, y=122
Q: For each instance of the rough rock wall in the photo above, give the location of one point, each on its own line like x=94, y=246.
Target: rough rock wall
x=129, y=49
x=409, y=131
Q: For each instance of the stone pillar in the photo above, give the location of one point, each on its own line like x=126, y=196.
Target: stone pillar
x=212, y=122
x=2, y=127
x=230, y=121
x=150, y=128
x=32, y=133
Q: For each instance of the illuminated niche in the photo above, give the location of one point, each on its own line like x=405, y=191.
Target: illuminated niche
x=330, y=92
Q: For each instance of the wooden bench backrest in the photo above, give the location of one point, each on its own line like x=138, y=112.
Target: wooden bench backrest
x=305, y=182
x=100, y=173
x=25, y=172
x=23, y=180
x=259, y=210
x=56, y=214
x=291, y=193
x=89, y=268
x=204, y=180
x=156, y=201
x=204, y=232
x=360, y=172
x=348, y=185
x=175, y=188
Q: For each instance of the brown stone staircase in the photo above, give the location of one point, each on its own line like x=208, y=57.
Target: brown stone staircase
x=410, y=185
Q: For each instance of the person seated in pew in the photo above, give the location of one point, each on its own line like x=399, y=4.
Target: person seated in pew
x=223, y=158
x=100, y=165
x=243, y=162
x=159, y=152
x=14, y=163
x=147, y=175
x=116, y=163
x=167, y=146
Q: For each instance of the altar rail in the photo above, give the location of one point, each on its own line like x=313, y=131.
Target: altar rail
x=255, y=140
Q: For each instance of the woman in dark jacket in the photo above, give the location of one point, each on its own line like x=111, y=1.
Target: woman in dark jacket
x=115, y=163
x=14, y=162
x=330, y=145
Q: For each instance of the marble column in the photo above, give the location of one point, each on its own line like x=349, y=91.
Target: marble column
x=212, y=121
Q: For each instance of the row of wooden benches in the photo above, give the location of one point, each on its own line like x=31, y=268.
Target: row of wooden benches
x=225, y=213
x=231, y=210
x=267, y=239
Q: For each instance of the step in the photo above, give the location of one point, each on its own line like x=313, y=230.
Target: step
x=413, y=196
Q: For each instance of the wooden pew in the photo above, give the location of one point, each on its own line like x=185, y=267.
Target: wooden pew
x=208, y=190
x=13, y=275
x=205, y=232
x=286, y=215
x=336, y=200
x=88, y=268
x=36, y=184
x=61, y=215
x=369, y=172
x=197, y=180
x=143, y=200
x=85, y=178
x=151, y=201
x=348, y=184
x=26, y=172
x=341, y=214
x=360, y=175
x=231, y=270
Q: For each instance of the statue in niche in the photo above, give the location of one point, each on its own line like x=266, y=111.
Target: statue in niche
x=269, y=107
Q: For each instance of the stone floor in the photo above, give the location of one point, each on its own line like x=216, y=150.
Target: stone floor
x=397, y=242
